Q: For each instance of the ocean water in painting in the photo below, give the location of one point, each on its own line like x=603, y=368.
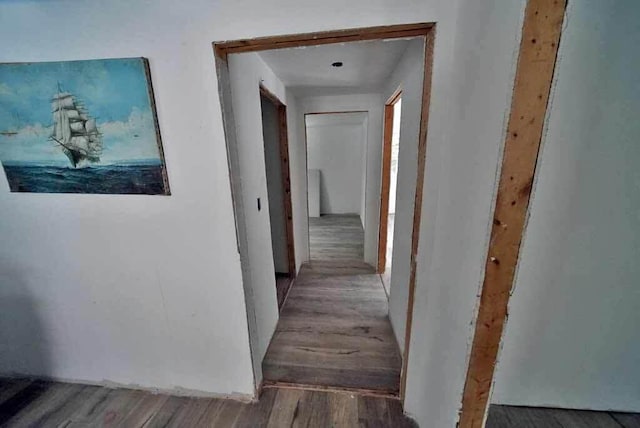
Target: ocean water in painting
x=80, y=127
x=143, y=177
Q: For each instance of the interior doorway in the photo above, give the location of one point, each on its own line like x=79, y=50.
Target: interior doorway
x=390, y=152
x=334, y=329
x=336, y=176
x=274, y=132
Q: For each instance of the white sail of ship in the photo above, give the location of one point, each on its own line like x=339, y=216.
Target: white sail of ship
x=74, y=130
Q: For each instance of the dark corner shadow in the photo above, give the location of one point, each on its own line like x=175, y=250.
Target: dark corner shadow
x=24, y=345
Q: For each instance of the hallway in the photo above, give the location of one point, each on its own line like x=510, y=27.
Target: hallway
x=334, y=328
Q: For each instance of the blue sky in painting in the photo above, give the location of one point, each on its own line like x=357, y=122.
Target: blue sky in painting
x=114, y=91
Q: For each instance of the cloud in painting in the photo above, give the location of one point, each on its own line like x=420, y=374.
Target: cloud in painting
x=132, y=139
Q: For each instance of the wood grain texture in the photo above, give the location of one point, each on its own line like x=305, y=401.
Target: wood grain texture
x=386, y=184
x=286, y=187
x=336, y=237
x=334, y=331
x=538, y=49
x=533, y=417
x=222, y=49
x=75, y=405
x=283, y=145
x=283, y=284
x=627, y=420
x=334, y=328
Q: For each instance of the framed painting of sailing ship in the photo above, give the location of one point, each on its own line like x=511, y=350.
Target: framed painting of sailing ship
x=81, y=127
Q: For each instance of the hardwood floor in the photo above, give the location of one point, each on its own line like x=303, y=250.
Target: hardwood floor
x=283, y=283
x=512, y=417
x=25, y=402
x=50, y=404
x=334, y=328
x=336, y=237
x=334, y=331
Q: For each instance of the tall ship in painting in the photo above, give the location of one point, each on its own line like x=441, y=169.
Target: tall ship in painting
x=74, y=130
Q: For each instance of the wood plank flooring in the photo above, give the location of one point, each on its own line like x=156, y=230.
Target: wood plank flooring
x=50, y=404
x=25, y=402
x=283, y=283
x=530, y=417
x=336, y=237
x=334, y=329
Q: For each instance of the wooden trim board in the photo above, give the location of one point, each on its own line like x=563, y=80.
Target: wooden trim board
x=538, y=50
x=339, y=389
x=286, y=186
x=222, y=49
x=286, y=176
x=426, y=30
x=386, y=180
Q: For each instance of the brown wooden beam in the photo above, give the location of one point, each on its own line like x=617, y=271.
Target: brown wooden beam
x=222, y=49
x=283, y=138
x=386, y=185
x=426, y=30
x=536, y=61
x=386, y=180
x=286, y=187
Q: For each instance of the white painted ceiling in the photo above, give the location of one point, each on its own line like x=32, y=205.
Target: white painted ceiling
x=308, y=70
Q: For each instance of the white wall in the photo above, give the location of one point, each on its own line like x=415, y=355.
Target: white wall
x=407, y=76
x=572, y=338
x=275, y=191
x=463, y=152
x=373, y=105
x=336, y=148
x=363, y=172
x=246, y=72
x=131, y=289
x=314, y=192
x=183, y=247
x=298, y=176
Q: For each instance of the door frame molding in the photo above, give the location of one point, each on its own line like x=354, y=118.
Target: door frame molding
x=283, y=139
x=542, y=27
x=385, y=179
x=427, y=32
x=541, y=30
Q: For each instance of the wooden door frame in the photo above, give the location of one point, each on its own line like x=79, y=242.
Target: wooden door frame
x=542, y=27
x=541, y=30
x=283, y=139
x=424, y=30
x=385, y=184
